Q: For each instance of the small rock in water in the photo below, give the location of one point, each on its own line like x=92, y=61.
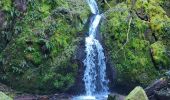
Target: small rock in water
x=43, y=98
x=26, y=97
x=111, y=97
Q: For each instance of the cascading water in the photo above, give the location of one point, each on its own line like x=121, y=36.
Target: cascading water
x=95, y=72
x=95, y=66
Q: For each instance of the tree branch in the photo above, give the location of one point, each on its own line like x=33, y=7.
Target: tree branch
x=107, y=3
x=127, y=36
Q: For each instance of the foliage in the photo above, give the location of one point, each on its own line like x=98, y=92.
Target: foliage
x=159, y=54
x=128, y=52
x=6, y=5
x=40, y=51
x=139, y=46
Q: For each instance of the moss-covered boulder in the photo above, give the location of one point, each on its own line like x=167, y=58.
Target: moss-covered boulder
x=39, y=55
x=3, y=96
x=127, y=47
x=136, y=37
x=137, y=94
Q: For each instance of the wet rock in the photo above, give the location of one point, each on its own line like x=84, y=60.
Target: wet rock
x=160, y=89
x=61, y=96
x=43, y=98
x=3, y=96
x=78, y=87
x=156, y=86
x=166, y=6
x=137, y=94
x=163, y=94
x=26, y=97
x=115, y=97
x=111, y=97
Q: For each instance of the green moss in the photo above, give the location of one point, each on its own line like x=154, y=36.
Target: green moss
x=152, y=8
x=129, y=29
x=45, y=8
x=4, y=96
x=159, y=54
x=137, y=94
x=127, y=47
x=6, y=5
x=41, y=51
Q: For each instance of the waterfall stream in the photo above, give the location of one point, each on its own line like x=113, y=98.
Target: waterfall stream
x=94, y=63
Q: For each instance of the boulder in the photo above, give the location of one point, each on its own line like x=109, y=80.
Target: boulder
x=163, y=94
x=3, y=96
x=159, y=90
x=156, y=86
x=136, y=38
x=137, y=94
x=111, y=97
x=130, y=57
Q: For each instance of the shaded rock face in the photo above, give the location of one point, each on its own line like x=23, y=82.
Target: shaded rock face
x=2, y=18
x=163, y=94
x=78, y=87
x=156, y=86
x=159, y=90
x=5, y=28
x=166, y=6
x=2, y=26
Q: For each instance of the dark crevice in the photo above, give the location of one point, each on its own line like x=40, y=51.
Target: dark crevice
x=153, y=61
x=148, y=38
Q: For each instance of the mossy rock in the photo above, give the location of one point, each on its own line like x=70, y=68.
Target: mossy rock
x=157, y=17
x=137, y=94
x=3, y=96
x=39, y=56
x=127, y=46
x=130, y=29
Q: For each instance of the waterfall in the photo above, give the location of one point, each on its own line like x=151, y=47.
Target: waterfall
x=95, y=66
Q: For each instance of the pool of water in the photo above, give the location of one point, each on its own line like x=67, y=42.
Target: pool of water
x=96, y=97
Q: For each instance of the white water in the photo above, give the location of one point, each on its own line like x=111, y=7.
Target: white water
x=93, y=6
x=95, y=67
